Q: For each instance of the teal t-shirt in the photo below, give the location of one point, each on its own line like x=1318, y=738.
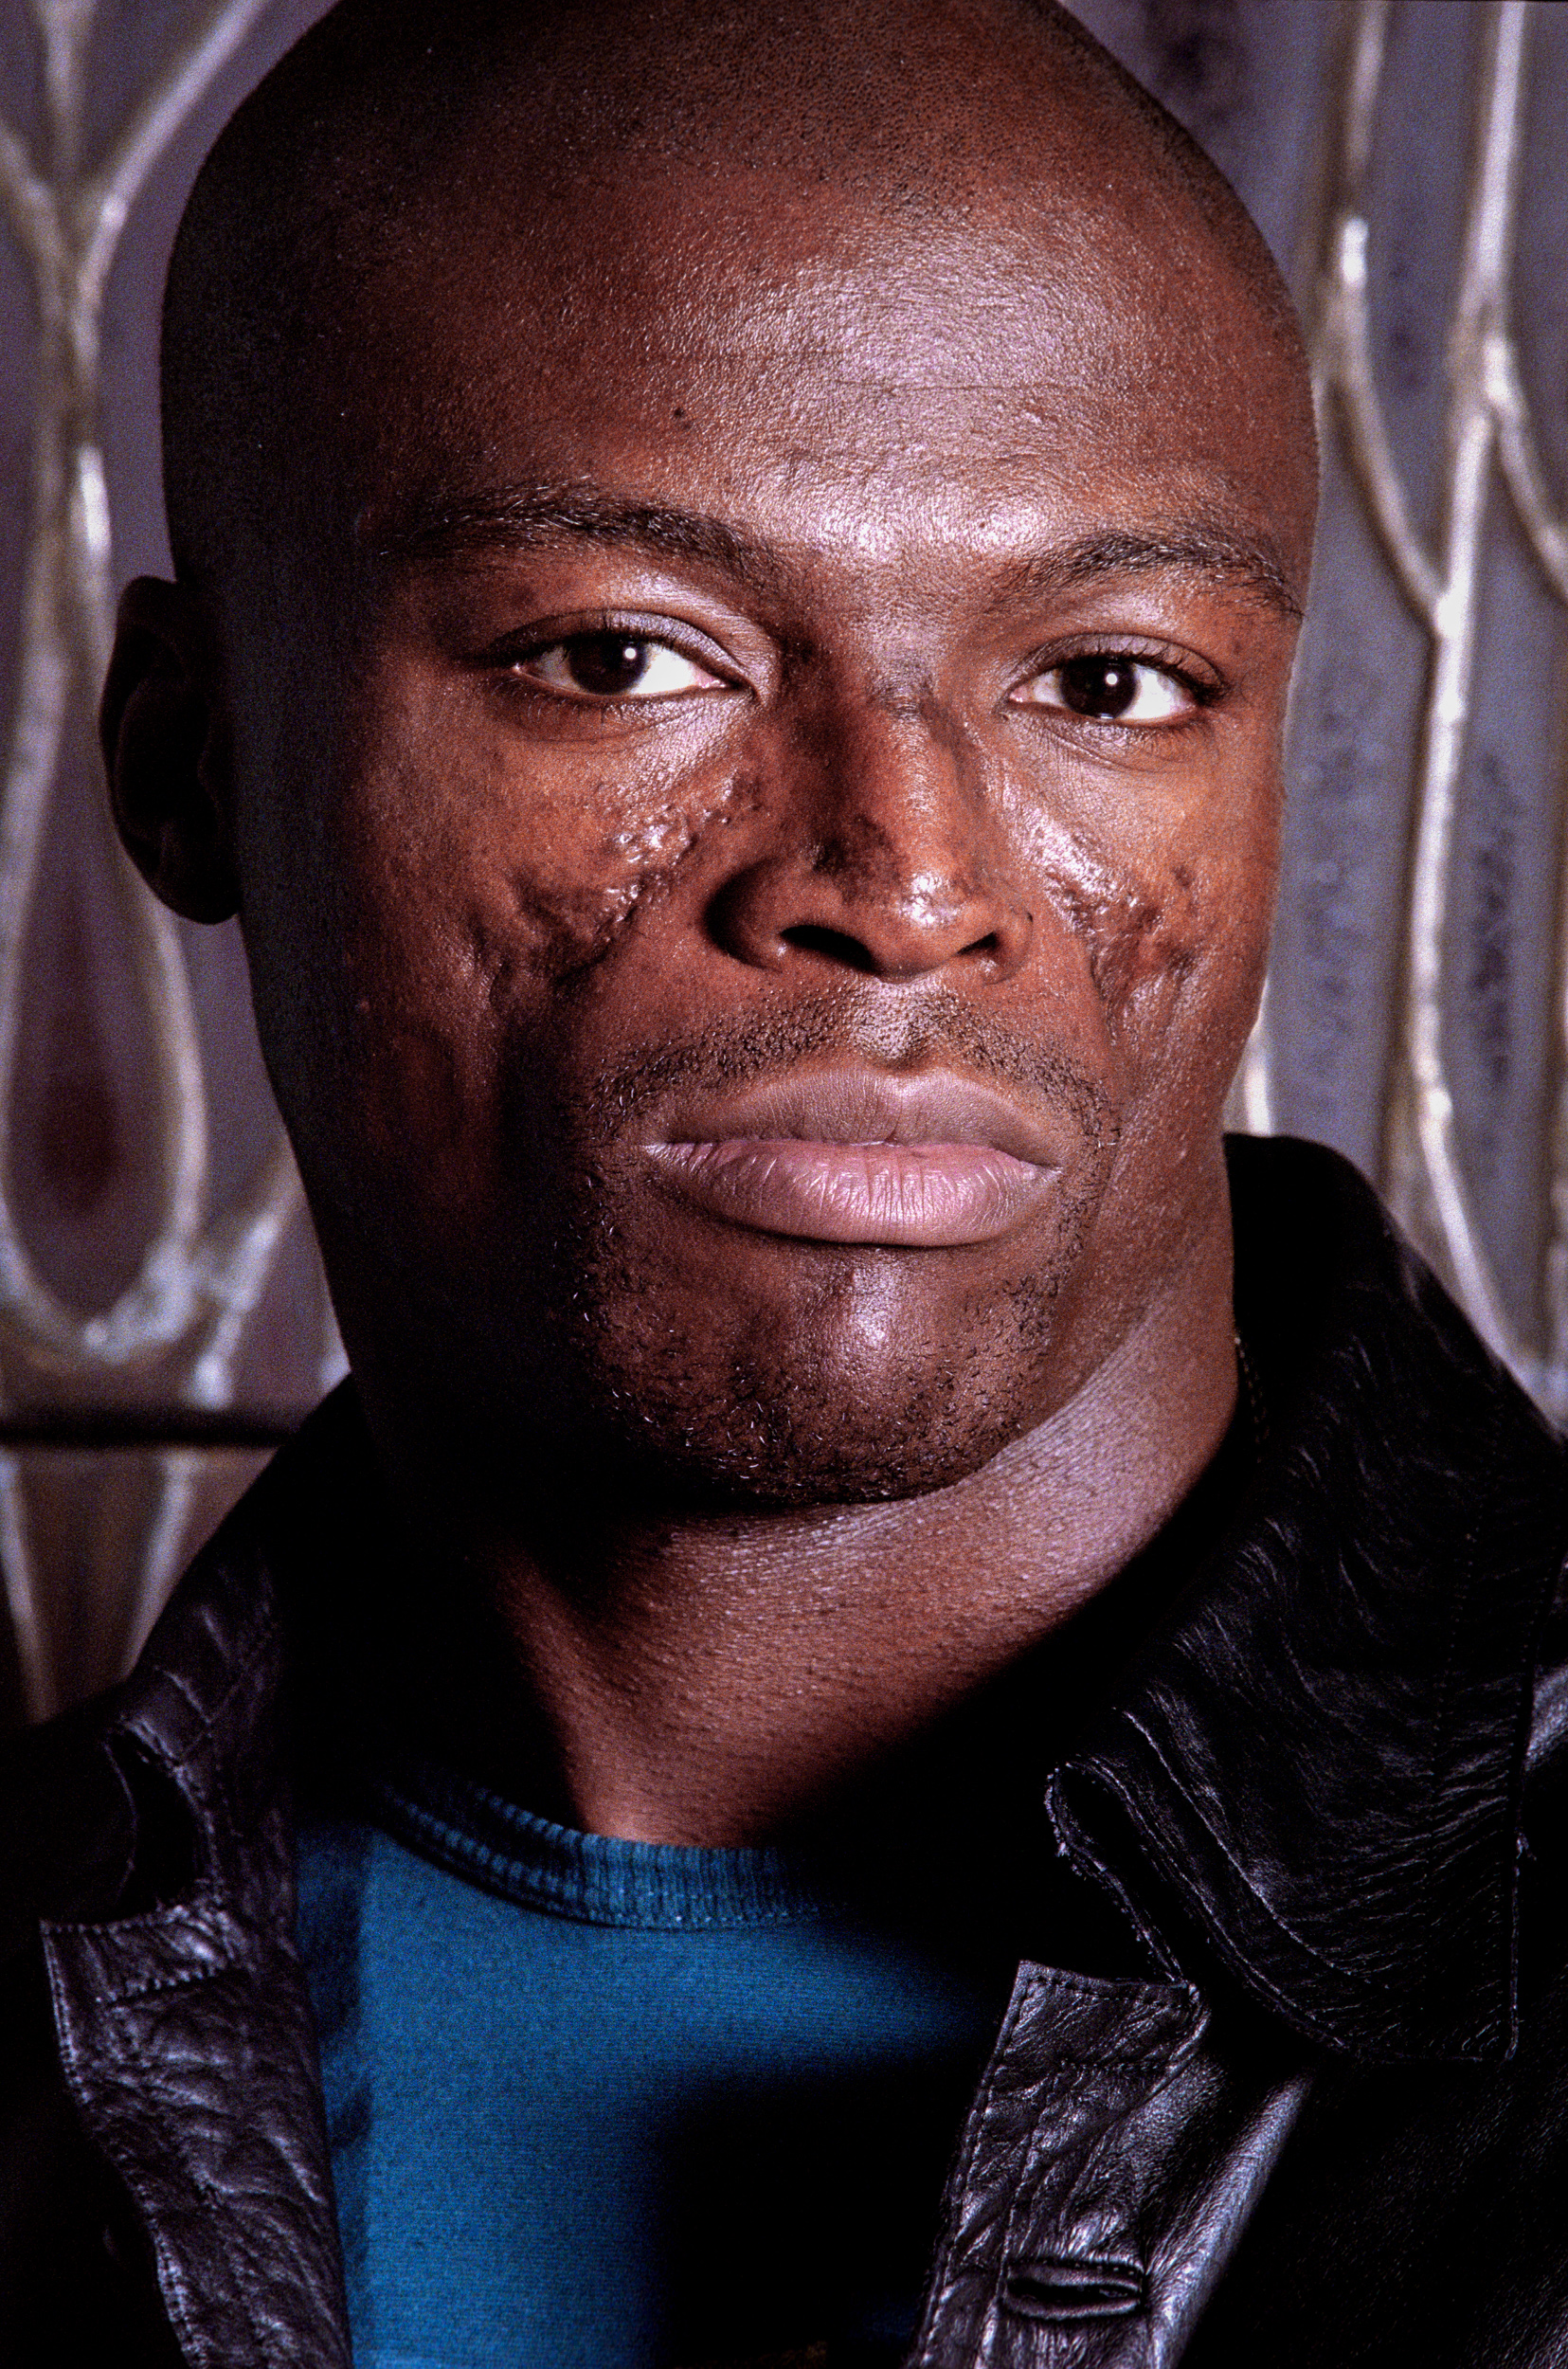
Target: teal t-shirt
x=600, y=2105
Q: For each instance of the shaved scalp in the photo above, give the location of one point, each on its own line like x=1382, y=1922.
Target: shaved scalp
x=348, y=158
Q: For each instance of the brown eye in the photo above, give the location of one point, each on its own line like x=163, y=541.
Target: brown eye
x=1109, y=688
x=1098, y=686
x=616, y=666
x=608, y=665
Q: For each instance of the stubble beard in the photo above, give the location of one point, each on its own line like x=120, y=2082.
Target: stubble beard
x=856, y=1381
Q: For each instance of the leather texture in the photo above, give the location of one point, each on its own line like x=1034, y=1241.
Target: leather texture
x=1326, y=2121
x=1109, y=2163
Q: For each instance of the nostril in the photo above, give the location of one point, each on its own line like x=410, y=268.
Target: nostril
x=1068, y=2288
x=988, y=947
x=835, y=945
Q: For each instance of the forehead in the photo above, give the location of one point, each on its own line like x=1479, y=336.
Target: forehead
x=875, y=367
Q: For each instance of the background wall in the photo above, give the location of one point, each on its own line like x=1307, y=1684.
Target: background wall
x=162, y=1316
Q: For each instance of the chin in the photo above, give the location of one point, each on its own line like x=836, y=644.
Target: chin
x=800, y=1450
x=849, y=1413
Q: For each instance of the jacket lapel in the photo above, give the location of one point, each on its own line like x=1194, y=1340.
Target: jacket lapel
x=187, y=2046
x=185, y=2033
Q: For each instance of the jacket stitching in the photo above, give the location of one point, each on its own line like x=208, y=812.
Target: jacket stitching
x=1292, y=2011
x=173, y=2287
x=1075, y=1848
x=162, y=1983
x=265, y=1646
x=214, y=1798
x=1347, y=1974
x=213, y=2199
x=1087, y=1986
x=940, y=2290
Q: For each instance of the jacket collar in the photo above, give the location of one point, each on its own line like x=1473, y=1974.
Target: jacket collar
x=1312, y=1768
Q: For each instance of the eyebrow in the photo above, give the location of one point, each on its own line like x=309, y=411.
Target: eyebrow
x=536, y=516
x=1192, y=546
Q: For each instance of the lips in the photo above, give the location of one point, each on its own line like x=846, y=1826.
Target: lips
x=927, y=1162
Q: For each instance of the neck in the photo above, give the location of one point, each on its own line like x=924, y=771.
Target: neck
x=714, y=1679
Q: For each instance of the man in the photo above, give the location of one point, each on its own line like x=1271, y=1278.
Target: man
x=890, y=1720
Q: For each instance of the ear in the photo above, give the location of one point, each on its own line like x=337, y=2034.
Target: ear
x=162, y=739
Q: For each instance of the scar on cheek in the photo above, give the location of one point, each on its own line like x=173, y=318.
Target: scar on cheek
x=577, y=901
x=1132, y=937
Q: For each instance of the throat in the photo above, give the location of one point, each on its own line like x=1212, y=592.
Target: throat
x=721, y=1680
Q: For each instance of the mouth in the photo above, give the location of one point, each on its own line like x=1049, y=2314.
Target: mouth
x=927, y=1162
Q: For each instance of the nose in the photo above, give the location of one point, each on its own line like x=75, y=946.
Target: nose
x=889, y=858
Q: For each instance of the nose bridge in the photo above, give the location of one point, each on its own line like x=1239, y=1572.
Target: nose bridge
x=900, y=791
x=889, y=854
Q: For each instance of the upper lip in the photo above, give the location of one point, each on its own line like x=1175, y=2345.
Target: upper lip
x=863, y=1106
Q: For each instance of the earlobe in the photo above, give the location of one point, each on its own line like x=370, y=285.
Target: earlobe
x=162, y=739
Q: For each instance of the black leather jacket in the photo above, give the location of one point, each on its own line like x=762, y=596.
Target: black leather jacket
x=1329, y=2124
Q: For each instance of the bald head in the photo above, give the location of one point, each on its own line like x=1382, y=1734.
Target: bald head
x=392, y=133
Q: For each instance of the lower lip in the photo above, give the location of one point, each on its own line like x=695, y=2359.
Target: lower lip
x=907, y=1196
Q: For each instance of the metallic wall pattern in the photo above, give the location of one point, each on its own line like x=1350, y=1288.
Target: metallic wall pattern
x=162, y=1315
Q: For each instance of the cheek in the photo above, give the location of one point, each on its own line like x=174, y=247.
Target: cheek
x=1173, y=917
x=572, y=880
x=539, y=857
x=478, y=893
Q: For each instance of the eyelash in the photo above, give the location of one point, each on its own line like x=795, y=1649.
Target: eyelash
x=1203, y=689
x=694, y=648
